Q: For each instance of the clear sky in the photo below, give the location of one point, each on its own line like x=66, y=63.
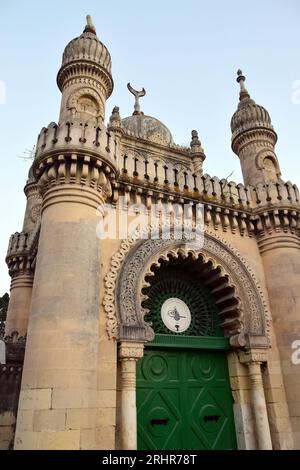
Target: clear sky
x=185, y=53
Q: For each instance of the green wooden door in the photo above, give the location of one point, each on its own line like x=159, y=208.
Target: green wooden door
x=184, y=400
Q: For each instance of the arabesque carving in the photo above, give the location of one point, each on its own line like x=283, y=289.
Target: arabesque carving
x=131, y=265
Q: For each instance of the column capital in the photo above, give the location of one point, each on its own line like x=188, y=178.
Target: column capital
x=253, y=356
x=130, y=350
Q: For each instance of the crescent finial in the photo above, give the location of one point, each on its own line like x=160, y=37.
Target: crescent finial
x=137, y=95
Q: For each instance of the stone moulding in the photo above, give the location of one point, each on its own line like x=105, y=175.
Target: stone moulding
x=131, y=264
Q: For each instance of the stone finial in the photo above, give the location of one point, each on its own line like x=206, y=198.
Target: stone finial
x=197, y=152
x=115, y=118
x=196, y=146
x=137, y=95
x=89, y=28
x=241, y=80
x=195, y=139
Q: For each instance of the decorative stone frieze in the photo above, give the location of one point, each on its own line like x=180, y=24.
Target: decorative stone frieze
x=71, y=172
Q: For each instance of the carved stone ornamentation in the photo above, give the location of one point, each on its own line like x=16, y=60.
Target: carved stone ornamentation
x=86, y=100
x=15, y=347
x=131, y=265
x=35, y=212
x=129, y=350
x=77, y=171
x=253, y=356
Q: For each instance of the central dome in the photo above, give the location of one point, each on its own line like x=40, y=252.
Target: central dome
x=148, y=128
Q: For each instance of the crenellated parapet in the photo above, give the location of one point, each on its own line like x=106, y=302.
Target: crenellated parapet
x=18, y=258
x=74, y=155
x=21, y=251
x=230, y=207
x=144, y=169
x=80, y=136
x=277, y=215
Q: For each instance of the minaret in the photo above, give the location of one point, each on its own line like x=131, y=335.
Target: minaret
x=254, y=139
x=74, y=167
x=85, y=78
x=276, y=211
x=20, y=263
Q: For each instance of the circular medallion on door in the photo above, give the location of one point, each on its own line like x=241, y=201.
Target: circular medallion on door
x=176, y=315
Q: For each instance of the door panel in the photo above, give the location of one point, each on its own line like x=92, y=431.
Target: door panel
x=184, y=401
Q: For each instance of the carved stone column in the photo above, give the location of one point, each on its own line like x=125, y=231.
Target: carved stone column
x=129, y=353
x=20, y=262
x=254, y=361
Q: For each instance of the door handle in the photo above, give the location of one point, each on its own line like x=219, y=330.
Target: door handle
x=163, y=421
x=214, y=418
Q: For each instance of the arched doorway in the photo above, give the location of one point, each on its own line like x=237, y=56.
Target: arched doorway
x=184, y=397
x=243, y=315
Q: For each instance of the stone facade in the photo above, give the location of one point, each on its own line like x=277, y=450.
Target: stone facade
x=77, y=295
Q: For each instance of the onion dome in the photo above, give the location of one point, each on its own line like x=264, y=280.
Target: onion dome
x=143, y=126
x=86, y=50
x=248, y=115
x=148, y=128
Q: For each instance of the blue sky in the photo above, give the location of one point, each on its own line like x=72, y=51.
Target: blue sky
x=185, y=53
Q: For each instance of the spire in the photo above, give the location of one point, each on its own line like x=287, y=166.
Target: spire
x=197, y=152
x=137, y=95
x=89, y=28
x=80, y=51
x=253, y=139
x=241, y=80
